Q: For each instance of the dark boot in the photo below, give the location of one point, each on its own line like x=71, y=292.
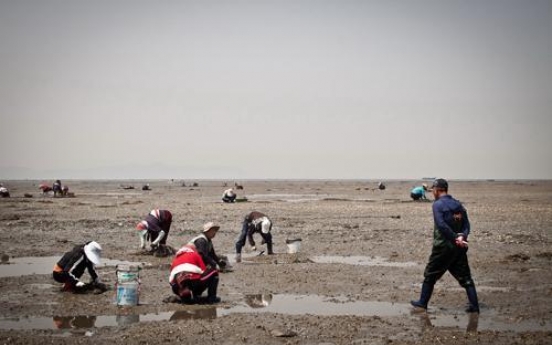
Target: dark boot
x=212, y=291
x=425, y=295
x=269, y=248
x=472, y=298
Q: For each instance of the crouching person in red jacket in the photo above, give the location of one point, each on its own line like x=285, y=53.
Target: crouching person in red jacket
x=189, y=277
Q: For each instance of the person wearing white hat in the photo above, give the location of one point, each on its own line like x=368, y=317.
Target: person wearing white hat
x=203, y=243
x=254, y=222
x=70, y=268
x=229, y=196
x=4, y=192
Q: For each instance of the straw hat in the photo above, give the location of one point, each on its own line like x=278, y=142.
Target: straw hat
x=210, y=225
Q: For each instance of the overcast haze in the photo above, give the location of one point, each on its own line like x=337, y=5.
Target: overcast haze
x=276, y=89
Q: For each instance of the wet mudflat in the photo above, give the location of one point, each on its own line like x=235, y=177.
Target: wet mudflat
x=361, y=260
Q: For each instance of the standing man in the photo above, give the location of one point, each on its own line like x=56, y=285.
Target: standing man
x=450, y=246
x=252, y=223
x=155, y=227
x=204, y=245
x=418, y=193
x=71, y=266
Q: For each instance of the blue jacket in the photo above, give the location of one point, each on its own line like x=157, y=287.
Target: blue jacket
x=451, y=220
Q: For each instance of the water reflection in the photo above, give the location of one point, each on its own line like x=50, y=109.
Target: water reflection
x=80, y=321
x=360, y=260
x=201, y=313
x=258, y=301
x=17, y=267
x=472, y=321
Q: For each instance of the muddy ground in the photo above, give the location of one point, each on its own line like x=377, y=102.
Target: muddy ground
x=361, y=300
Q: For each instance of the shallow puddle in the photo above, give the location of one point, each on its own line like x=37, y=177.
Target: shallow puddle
x=17, y=267
x=360, y=260
x=288, y=305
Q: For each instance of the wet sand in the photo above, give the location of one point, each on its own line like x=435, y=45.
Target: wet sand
x=361, y=261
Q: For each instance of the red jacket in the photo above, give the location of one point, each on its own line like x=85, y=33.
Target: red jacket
x=189, y=261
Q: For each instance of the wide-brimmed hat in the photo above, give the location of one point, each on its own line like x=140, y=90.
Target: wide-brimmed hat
x=93, y=252
x=210, y=225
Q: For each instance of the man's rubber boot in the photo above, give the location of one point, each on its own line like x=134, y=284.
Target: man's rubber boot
x=269, y=248
x=472, y=298
x=212, y=291
x=425, y=295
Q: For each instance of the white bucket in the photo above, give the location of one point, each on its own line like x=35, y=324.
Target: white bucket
x=293, y=246
x=128, y=273
x=128, y=284
x=128, y=293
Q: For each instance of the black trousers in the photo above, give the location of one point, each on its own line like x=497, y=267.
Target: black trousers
x=448, y=258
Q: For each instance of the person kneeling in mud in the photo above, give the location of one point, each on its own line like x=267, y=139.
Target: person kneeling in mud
x=190, y=277
x=254, y=222
x=156, y=227
x=70, y=268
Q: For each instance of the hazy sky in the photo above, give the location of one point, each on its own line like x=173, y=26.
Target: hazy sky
x=276, y=89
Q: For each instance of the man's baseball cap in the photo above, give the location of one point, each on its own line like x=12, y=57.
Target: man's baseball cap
x=440, y=183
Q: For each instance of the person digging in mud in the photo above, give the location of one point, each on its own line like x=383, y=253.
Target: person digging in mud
x=190, y=277
x=418, y=193
x=254, y=222
x=155, y=228
x=450, y=247
x=229, y=196
x=70, y=268
x=204, y=246
x=4, y=192
x=57, y=188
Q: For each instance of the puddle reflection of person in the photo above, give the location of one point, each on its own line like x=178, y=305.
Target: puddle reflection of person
x=208, y=313
x=79, y=321
x=473, y=322
x=259, y=300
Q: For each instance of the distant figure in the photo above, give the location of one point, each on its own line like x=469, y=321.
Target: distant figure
x=155, y=227
x=44, y=188
x=229, y=195
x=56, y=187
x=146, y=187
x=252, y=223
x=238, y=186
x=64, y=190
x=72, y=264
x=381, y=186
x=4, y=192
x=418, y=193
x=190, y=277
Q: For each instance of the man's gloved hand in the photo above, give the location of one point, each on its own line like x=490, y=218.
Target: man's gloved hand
x=253, y=248
x=80, y=284
x=222, y=263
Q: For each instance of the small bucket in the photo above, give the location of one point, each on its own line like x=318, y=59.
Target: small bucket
x=128, y=293
x=128, y=284
x=127, y=274
x=293, y=246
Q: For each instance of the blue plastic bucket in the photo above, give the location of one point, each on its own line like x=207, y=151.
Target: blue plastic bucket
x=128, y=293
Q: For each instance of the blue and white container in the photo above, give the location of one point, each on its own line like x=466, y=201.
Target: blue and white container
x=128, y=285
